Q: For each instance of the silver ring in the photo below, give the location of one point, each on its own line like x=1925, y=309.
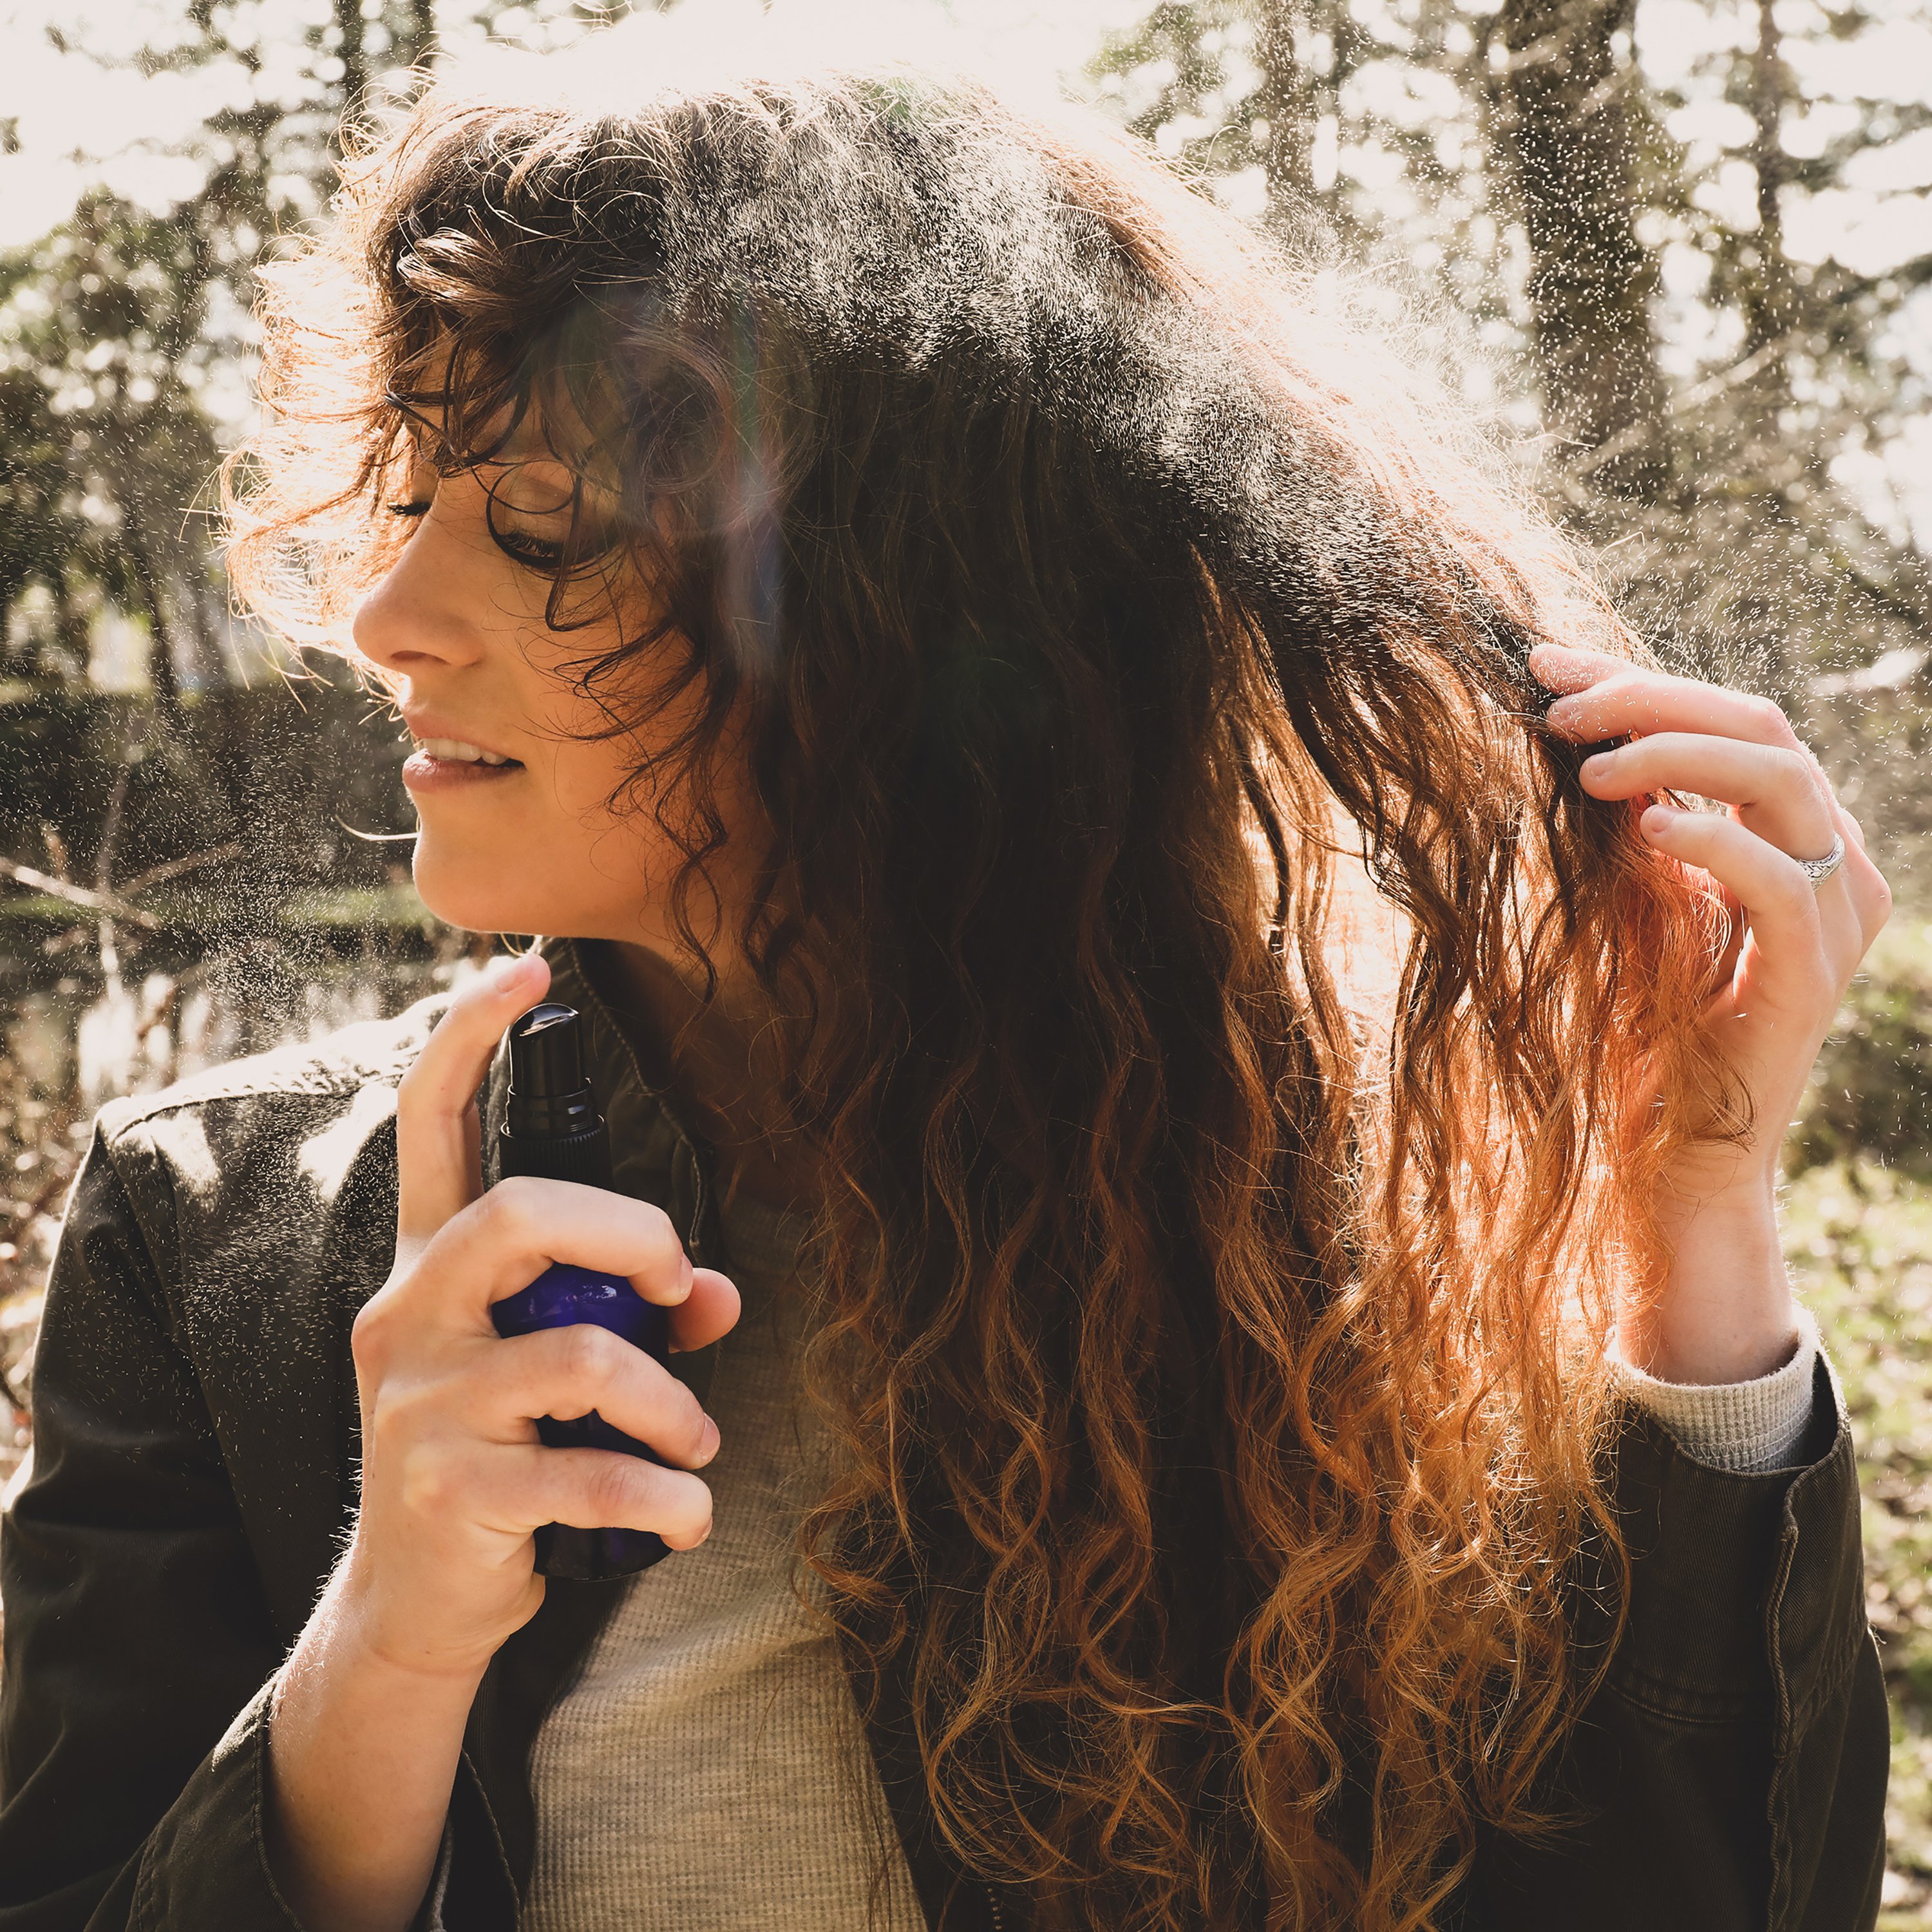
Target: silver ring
x=1818, y=870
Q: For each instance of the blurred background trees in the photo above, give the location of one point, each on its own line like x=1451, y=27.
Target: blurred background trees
x=1626, y=227
x=1674, y=253
x=1625, y=241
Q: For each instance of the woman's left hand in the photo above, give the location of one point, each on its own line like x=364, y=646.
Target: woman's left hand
x=1725, y=1313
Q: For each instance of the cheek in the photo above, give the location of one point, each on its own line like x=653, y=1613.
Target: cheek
x=593, y=784
x=582, y=776
x=604, y=825
x=606, y=847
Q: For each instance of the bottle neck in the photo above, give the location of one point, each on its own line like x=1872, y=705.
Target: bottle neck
x=584, y=1158
x=550, y=1116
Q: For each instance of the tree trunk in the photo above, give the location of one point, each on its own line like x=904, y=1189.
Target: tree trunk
x=1766, y=456
x=1560, y=115
x=1288, y=100
x=160, y=649
x=1772, y=306
x=420, y=42
x=350, y=49
x=70, y=625
x=188, y=596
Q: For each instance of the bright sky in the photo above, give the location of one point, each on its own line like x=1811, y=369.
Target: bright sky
x=75, y=122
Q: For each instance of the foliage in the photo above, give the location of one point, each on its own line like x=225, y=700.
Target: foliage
x=1859, y=1239
x=105, y=329
x=1871, y=1091
x=126, y=341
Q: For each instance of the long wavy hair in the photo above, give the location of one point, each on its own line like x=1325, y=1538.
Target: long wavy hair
x=1127, y=664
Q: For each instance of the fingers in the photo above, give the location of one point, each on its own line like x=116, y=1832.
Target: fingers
x=1774, y=787
x=1567, y=667
x=1790, y=824
x=459, y=1447
x=514, y=1490
x=1784, y=911
x=435, y=1104
x=503, y=1242
x=1615, y=699
x=1862, y=883
x=710, y=1310
x=596, y=1489
x=1799, y=931
x=567, y=1372
x=1729, y=746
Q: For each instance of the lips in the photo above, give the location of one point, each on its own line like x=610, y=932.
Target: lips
x=440, y=763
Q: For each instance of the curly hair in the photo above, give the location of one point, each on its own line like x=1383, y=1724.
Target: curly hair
x=1124, y=660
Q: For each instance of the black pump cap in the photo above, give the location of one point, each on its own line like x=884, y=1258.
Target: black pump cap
x=547, y=1052
x=551, y=1125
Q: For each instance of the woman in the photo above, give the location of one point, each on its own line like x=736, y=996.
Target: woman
x=906, y=595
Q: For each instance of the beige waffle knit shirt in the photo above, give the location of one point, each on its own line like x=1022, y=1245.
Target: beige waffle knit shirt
x=707, y=1772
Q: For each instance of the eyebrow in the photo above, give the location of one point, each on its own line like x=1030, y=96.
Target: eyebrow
x=428, y=445
x=523, y=444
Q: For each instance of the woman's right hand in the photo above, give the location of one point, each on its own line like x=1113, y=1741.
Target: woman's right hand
x=454, y=1481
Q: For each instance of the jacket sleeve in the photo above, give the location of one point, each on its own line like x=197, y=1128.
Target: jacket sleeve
x=138, y=1645
x=1729, y=1773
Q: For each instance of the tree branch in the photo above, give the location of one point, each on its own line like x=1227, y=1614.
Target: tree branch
x=158, y=875
x=111, y=904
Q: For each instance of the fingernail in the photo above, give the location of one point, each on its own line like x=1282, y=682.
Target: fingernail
x=707, y=1443
x=507, y=967
x=1660, y=818
x=1597, y=766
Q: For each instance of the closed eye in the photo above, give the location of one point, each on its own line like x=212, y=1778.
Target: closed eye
x=533, y=552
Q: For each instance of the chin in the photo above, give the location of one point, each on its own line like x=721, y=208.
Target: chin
x=477, y=898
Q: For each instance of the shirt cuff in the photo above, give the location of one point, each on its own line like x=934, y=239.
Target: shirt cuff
x=1746, y=1427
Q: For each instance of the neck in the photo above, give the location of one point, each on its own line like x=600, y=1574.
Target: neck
x=722, y=1058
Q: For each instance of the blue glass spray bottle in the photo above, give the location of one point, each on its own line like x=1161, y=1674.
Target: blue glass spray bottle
x=552, y=1129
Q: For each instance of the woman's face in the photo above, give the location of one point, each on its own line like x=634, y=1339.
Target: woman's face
x=510, y=782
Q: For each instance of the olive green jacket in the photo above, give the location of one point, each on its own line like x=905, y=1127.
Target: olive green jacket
x=194, y=1474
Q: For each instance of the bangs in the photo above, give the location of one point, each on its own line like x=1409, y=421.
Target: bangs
x=477, y=343
x=459, y=407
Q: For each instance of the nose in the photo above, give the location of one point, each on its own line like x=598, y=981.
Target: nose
x=416, y=617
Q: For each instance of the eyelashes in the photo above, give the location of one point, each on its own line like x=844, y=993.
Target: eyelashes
x=534, y=553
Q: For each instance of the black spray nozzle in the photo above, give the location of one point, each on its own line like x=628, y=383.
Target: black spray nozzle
x=551, y=1124
x=547, y=1052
